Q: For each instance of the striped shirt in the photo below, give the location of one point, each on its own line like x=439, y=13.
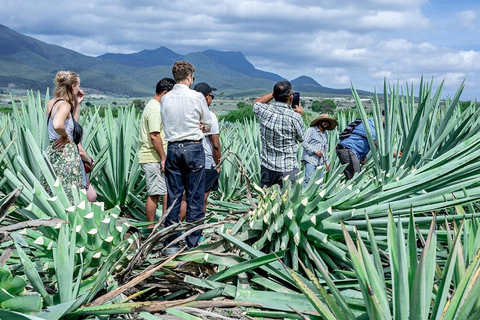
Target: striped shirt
x=315, y=140
x=280, y=130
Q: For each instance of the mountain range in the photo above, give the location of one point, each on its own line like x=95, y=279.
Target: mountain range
x=28, y=63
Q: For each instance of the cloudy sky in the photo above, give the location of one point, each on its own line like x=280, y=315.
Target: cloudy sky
x=334, y=42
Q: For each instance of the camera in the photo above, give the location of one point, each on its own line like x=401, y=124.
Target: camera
x=296, y=99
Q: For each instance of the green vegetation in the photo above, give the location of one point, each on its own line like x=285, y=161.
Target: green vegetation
x=139, y=103
x=244, y=112
x=398, y=241
x=324, y=106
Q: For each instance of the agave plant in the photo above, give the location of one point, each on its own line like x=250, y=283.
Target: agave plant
x=431, y=175
x=413, y=293
x=243, y=141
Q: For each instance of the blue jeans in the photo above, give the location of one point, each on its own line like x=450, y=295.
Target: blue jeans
x=184, y=171
x=309, y=170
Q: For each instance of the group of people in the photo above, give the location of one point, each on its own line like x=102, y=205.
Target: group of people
x=180, y=150
x=179, y=145
x=282, y=131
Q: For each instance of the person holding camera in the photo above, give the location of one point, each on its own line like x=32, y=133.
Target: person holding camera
x=281, y=131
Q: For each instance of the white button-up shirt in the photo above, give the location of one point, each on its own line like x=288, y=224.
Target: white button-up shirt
x=183, y=109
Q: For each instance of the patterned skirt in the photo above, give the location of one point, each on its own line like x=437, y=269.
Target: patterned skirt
x=68, y=168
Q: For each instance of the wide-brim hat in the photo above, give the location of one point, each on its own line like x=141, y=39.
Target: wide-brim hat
x=324, y=117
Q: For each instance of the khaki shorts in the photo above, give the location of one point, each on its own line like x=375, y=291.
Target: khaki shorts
x=154, y=178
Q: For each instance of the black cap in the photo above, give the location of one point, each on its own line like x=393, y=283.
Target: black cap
x=204, y=88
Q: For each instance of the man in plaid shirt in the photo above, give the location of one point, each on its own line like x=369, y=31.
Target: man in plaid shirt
x=281, y=130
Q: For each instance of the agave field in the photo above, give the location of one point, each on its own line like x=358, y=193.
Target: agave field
x=400, y=240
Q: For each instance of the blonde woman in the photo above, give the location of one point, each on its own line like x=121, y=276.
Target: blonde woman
x=64, y=155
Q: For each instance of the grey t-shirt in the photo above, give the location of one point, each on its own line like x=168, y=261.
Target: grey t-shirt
x=207, y=144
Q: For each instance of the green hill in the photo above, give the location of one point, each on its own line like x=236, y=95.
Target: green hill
x=27, y=63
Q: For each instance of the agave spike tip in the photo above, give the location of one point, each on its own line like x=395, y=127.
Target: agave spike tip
x=304, y=201
x=50, y=246
x=40, y=241
x=52, y=199
x=57, y=183
x=106, y=220
x=29, y=207
x=97, y=255
x=78, y=228
x=119, y=228
x=23, y=232
x=290, y=214
x=70, y=209
x=93, y=232
x=322, y=193
x=81, y=205
x=89, y=215
x=296, y=238
x=58, y=226
x=109, y=239
x=80, y=250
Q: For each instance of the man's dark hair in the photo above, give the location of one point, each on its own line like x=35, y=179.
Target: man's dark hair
x=166, y=84
x=282, y=91
x=181, y=70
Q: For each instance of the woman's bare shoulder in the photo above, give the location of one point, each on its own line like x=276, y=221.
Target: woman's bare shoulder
x=60, y=105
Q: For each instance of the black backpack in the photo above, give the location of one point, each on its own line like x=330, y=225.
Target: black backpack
x=347, y=132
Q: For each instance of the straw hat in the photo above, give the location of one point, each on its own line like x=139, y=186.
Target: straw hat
x=324, y=117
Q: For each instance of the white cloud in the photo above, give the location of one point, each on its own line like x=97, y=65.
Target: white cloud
x=341, y=80
x=333, y=42
x=467, y=19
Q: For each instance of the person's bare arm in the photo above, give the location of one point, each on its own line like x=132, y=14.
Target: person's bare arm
x=265, y=98
x=217, y=151
x=158, y=146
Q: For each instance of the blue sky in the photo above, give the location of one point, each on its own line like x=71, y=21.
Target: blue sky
x=334, y=42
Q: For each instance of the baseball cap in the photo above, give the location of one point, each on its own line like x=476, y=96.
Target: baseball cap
x=204, y=88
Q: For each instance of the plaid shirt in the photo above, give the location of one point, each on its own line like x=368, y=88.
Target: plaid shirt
x=315, y=140
x=280, y=130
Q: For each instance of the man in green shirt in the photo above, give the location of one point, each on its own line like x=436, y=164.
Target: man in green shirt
x=152, y=150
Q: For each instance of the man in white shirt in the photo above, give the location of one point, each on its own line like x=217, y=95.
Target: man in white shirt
x=185, y=117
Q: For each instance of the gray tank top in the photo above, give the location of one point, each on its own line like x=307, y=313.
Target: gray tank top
x=52, y=134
